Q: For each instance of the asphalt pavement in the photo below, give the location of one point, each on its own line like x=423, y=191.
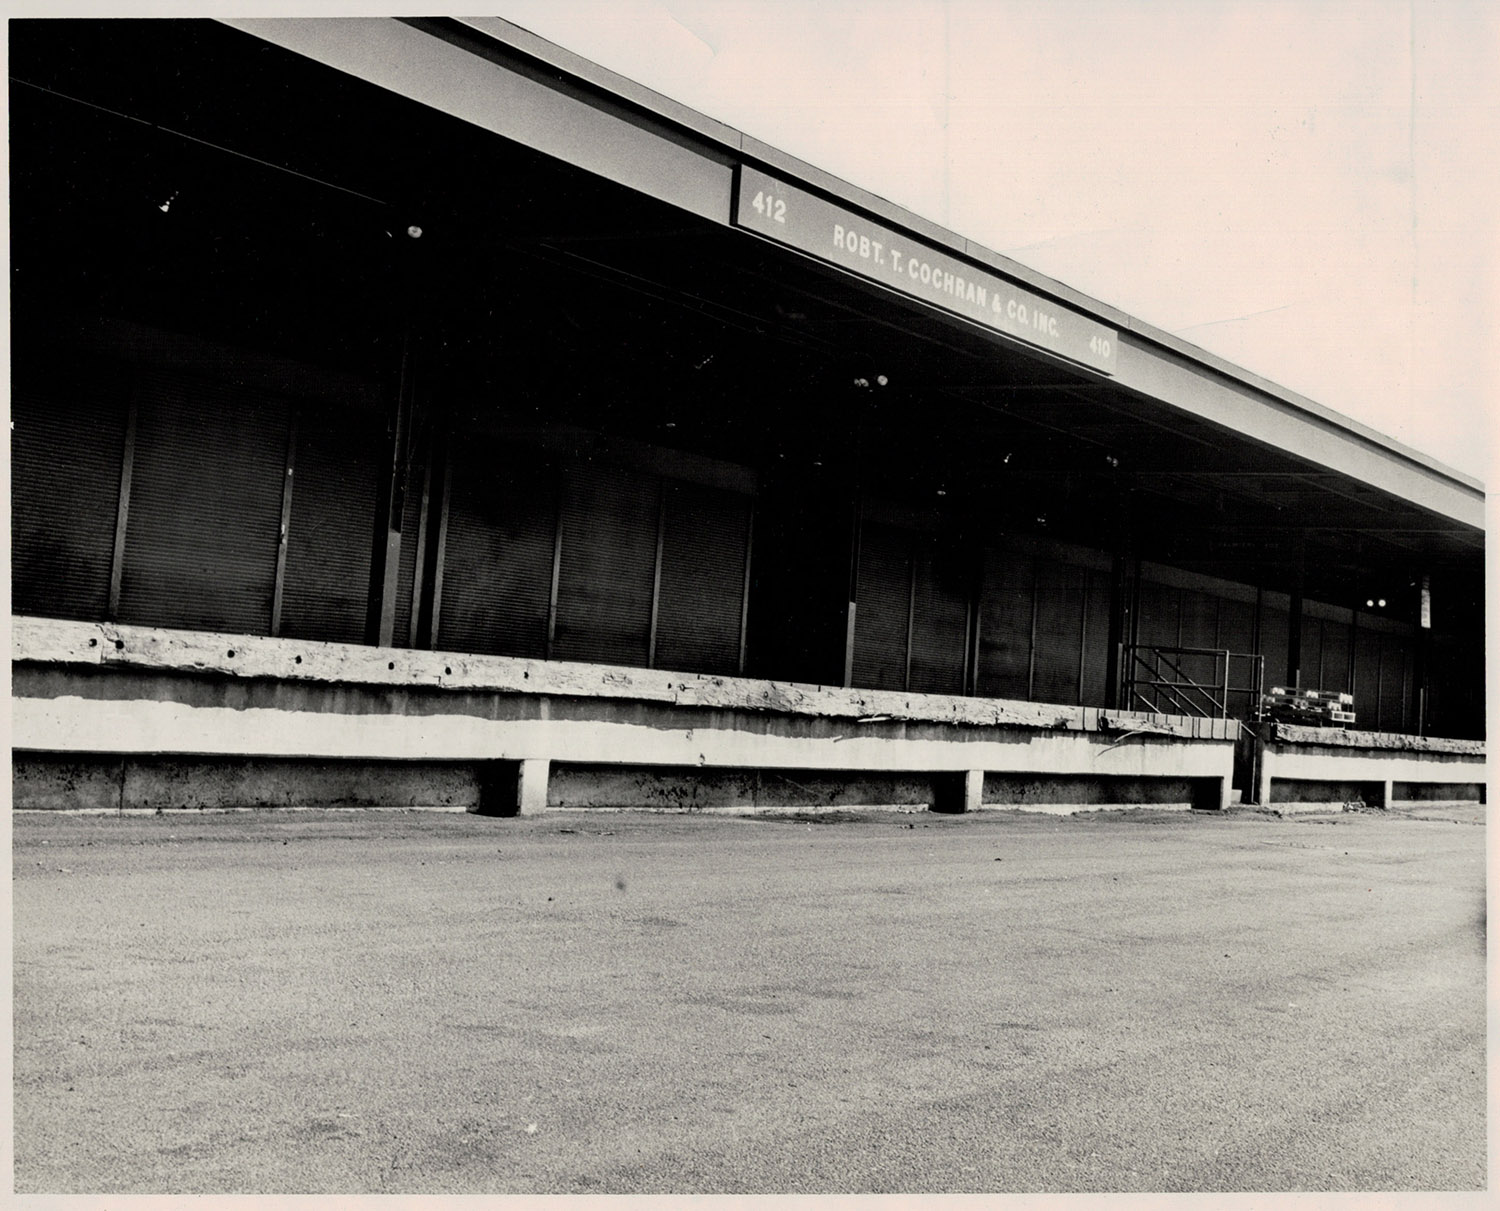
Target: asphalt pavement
x=602, y=1003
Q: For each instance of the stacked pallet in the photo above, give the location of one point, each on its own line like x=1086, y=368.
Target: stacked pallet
x=1310, y=708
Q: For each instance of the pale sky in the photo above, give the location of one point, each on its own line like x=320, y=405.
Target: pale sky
x=1306, y=188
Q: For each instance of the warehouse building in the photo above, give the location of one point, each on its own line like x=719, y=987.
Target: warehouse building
x=411, y=412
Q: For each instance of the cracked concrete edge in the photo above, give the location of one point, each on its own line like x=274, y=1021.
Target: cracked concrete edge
x=1293, y=733
x=50, y=641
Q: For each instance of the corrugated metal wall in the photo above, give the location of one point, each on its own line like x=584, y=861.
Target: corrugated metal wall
x=636, y=550
x=939, y=624
x=208, y=467
x=1060, y=594
x=704, y=538
x=335, y=484
x=497, y=573
x=1006, y=612
x=1395, y=710
x=1312, y=653
x=608, y=565
x=1366, y=691
x=884, y=597
x=1333, y=670
x=1043, y=619
x=1236, y=633
x=205, y=505
x=1198, y=613
x=67, y=437
x=1275, y=623
x=1096, y=639
x=1223, y=617
x=1158, y=615
x=1177, y=609
x=515, y=520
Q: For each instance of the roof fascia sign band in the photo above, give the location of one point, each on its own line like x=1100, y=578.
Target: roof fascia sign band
x=791, y=216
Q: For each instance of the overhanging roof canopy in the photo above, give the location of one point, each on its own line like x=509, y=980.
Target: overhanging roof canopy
x=599, y=120
x=599, y=178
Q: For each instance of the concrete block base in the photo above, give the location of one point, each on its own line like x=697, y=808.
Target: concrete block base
x=102, y=782
x=700, y=789
x=238, y=709
x=1335, y=792
x=1438, y=792
x=1314, y=766
x=1063, y=792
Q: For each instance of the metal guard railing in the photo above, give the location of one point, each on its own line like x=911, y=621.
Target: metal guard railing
x=1167, y=680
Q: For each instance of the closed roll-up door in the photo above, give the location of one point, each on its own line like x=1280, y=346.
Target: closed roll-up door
x=608, y=566
x=1367, y=678
x=1158, y=615
x=67, y=439
x=1059, y=631
x=1096, y=639
x=1200, y=619
x=1236, y=632
x=1005, y=617
x=883, y=602
x=1158, y=624
x=1312, y=653
x=1199, y=613
x=940, y=623
x=205, y=505
x=1395, y=710
x=497, y=565
x=702, y=579
x=1274, y=631
x=1335, y=656
x=1237, y=635
x=334, y=494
